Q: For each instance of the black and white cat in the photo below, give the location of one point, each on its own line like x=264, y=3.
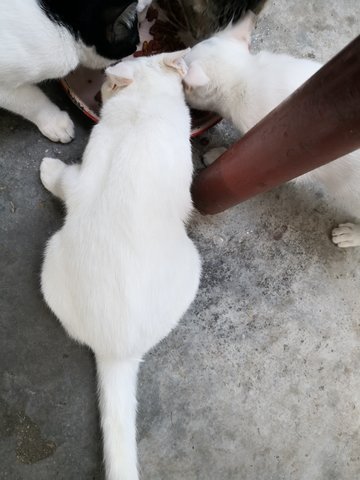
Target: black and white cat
x=46, y=39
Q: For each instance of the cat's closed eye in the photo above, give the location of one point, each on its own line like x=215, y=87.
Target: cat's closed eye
x=123, y=21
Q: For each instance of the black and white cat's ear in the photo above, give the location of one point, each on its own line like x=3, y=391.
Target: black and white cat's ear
x=119, y=76
x=196, y=76
x=244, y=28
x=176, y=61
x=119, y=22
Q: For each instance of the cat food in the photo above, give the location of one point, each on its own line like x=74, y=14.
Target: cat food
x=152, y=14
x=164, y=36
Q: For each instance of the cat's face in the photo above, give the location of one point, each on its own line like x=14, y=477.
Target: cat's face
x=156, y=73
x=107, y=29
x=116, y=32
x=210, y=64
x=200, y=83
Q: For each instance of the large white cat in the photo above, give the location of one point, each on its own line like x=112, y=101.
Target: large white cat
x=225, y=77
x=122, y=271
x=45, y=39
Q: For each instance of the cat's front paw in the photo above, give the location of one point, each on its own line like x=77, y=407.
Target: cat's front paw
x=58, y=127
x=346, y=235
x=51, y=170
x=212, y=155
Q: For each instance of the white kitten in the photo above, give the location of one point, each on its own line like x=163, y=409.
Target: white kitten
x=225, y=77
x=122, y=271
x=43, y=39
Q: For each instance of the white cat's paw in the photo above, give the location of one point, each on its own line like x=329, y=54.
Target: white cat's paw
x=50, y=172
x=346, y=235
x=58, y=127
x=212, y=155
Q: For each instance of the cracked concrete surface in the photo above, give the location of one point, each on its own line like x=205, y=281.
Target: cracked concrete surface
x=261, y=379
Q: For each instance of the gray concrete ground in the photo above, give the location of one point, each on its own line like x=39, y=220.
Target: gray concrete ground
x=261, y=379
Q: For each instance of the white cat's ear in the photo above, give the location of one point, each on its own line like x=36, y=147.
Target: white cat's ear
x=243, y=29
x=176, y=61
x=120, y=75
x=196, y=77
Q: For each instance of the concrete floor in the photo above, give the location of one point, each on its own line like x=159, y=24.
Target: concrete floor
x=260, y=381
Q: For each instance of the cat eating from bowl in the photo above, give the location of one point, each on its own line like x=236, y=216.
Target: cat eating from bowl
x=223, y=76
x=47, y=39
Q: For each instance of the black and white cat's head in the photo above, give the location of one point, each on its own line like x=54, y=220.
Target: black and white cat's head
x=121, y=30
x=104, y=28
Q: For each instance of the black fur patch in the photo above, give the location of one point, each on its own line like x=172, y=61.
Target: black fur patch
x=110, y=26
x=227, y=10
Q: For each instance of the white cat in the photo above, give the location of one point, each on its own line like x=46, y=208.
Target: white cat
x=122, y=271
x=225, y=77
x=46, y=39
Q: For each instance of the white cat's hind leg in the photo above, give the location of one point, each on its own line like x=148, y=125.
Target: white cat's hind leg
x=31, y=103
x=212, y=155
x=346, y=235
x=57, y=177
x=51, y=170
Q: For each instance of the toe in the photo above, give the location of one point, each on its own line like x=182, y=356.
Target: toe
x=346, y=244
x=337, y=232
x=212, y=155
x=348, y=225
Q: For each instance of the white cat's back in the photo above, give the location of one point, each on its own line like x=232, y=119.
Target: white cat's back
x=125, y=231
x=151, y=159
x=32, y=46
x=270, y=78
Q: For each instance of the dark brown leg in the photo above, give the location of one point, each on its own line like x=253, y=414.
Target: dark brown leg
x=317, y=124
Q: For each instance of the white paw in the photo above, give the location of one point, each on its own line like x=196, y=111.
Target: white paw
x=50, y=172
x=212, y=155
x=57, y=126
x=346, y=235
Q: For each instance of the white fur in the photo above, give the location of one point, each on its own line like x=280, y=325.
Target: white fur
x=244, y=88
x=33, y=49
x=143, y=4
x=142, y=8
x=122, y=271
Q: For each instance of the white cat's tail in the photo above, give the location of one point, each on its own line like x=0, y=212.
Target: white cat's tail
x=117, y=399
